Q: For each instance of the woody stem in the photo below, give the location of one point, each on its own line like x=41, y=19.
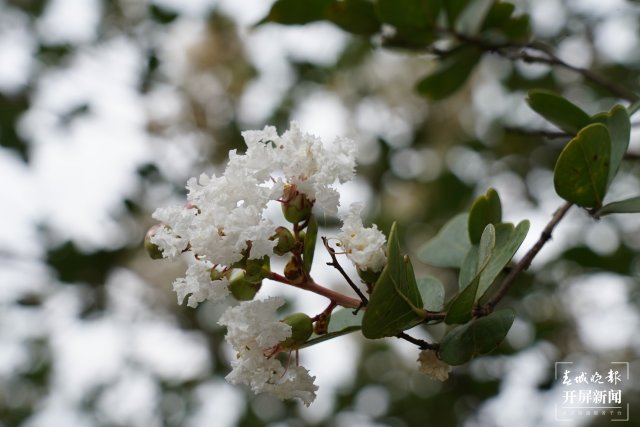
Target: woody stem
x=311, y=286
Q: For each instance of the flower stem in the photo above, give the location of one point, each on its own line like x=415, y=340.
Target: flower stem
x=311, y=286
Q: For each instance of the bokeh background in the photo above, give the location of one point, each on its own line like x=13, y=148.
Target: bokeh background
x=108, y=107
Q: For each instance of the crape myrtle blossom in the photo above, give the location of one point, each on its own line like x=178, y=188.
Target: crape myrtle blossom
x=433, y=367
x=224, y=213
x=224, y=229
x=255, y=334
x=198, y=286
x=365, y=247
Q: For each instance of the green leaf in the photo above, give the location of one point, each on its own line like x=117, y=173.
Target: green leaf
x=162, y=15
x=558, y=110
x=486, y=209
x=508, y=241
x=408, y=14
x=453, y=9
x=449, y=247
x=395, y=300
x=469, y=268
x=498, y=15
x=582, y=169
x=432, y=293
x=309, y=247
x=518, y=29
x=470, y=20
x=292, y=12
x=354, y=16
x=342, y=322
x=631, y=205
x=461, y=306
x=481, y=336
x=450, y=74
x=619, y=126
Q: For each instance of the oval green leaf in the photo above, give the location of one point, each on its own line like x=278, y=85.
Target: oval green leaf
x=432, y=293
x=470, y=20
x=408, y=14
x=582, y=169
x=486, y=209
x=478, y=337
x=508, y=241
x=450, y=74
x=454, y=8
x=619, y=126
x=395, y=298
x=449, y=247
x=292, y=12
x=498, y=15
x=461, y=306
x=558, y=110
x=354, y=16
x=631, y=205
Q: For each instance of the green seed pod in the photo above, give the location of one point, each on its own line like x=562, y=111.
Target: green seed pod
x=241, y=288
x=295, y=205
x=257, y=269
x=152, y=249
x=301, y=329
x=285, y=241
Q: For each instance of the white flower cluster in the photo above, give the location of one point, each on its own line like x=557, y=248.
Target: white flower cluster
x=225, y=212
x=224, y=222
x=363, y=246
x=254, y=334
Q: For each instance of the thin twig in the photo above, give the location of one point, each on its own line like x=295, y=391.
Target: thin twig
x=552, y=59
x=334, y=263
x=518, y=51
x=420, y=343
x=537, y=132
x=525, y=262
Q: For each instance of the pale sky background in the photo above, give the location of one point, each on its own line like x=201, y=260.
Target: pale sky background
x=79, y=174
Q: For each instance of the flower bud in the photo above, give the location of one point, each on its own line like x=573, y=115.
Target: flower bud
x=152, y=249
x=369, y=276
x=285, y=241
x=241, y=288
x=301, y=329
x=294, y=271
x=295, y=205
x=321, y=326
x=257, y=269
x=216, y=275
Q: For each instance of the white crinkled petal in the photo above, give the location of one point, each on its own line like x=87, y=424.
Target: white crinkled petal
x=298, y=385
x=253, y=369
x=197, y=284
x=253, y=331
x=365, y=247
x=267, y=375
x=254, y=323
x=169, y=242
